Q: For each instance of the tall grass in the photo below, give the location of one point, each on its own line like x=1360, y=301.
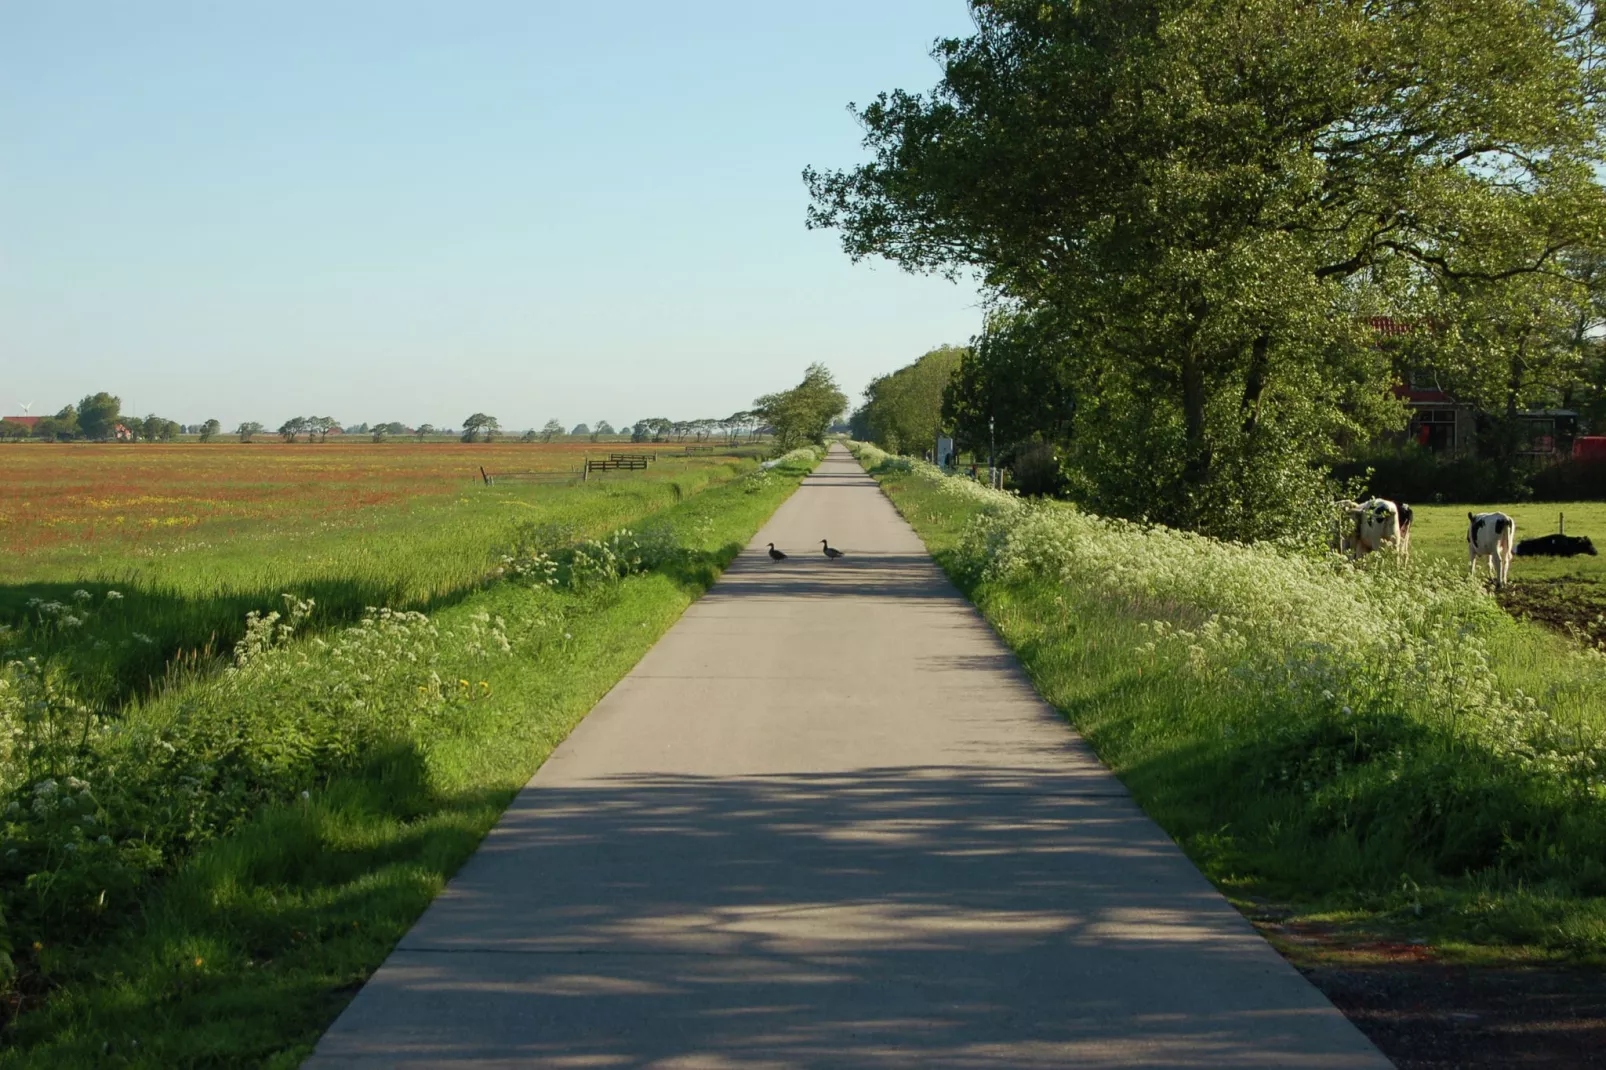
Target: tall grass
x=182, y=603
x=1381, y=739
x=203, y=876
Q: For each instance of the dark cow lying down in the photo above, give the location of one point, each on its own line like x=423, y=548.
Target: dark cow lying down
x=1556, y=546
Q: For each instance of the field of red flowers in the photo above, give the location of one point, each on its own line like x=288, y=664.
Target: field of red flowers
x=122, y=497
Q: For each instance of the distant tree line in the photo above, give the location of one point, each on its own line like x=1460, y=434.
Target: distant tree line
x=316, y=428
x=96, y=418
x=663, y=429
x=797, y=415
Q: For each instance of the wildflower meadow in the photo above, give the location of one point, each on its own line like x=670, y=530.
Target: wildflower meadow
x=1379, y=742
x=198, y=536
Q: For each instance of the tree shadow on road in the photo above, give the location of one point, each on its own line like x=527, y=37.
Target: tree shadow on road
x=887, y=917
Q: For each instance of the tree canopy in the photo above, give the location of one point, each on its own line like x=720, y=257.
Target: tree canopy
x=157, y=429
x=384, y=430
x=1202, y=205
x=1011, y=387
x=904, y=410
x=478, y=424
x=98, y=415
x=801, y=415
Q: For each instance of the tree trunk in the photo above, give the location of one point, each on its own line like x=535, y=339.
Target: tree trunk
x=1255, y=383
x=1197, y=467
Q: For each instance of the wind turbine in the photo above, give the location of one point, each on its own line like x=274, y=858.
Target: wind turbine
x=25, y=406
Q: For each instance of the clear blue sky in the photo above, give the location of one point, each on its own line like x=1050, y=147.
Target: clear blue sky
x=398, y=210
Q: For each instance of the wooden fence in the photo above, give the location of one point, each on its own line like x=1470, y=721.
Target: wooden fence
x=621, y=464
x=570, y=475
x=615, y=462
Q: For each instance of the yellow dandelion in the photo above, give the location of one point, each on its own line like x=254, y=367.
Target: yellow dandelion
x=463, y=682
x=199, y=960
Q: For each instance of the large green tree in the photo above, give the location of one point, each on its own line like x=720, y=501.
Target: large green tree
x=157, y=429
x=902, y=412
x=98, y=415
x=1210, y=197
x=1013, y=386
x=801, y=415
x=479, y=422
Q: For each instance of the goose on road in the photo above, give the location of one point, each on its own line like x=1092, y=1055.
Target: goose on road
x=776, y=555
x=833, y=554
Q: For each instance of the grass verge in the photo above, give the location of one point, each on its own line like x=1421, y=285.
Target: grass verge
x=1379, y=748
x=273, y=830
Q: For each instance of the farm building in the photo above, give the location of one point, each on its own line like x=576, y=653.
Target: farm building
x=1445, y=425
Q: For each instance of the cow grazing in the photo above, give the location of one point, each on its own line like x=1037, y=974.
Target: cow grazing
x=1491, y=535
x=1556, y=546
x=1380, y=523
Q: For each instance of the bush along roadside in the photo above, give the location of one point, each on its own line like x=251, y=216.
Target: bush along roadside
x=207, y=876
x=1379, y=743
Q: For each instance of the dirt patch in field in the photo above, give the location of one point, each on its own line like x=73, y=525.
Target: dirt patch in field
x=1428, y=1014
x=1570, y=606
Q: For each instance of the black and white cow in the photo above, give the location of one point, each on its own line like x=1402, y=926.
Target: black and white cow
x=1491, y=535
x=1369, y=526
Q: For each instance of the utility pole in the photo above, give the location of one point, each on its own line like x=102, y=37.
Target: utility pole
x=992, y=451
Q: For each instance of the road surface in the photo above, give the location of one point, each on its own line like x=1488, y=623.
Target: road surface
x=827, y=823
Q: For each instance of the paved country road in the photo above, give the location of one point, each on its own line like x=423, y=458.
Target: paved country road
x=827, y=823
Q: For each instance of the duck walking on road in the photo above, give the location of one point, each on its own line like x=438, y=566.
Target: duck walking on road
x=829, y=552
x=776, y=555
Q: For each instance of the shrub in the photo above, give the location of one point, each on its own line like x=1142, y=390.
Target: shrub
x=1413, y=474
x=1570, y=481
x=1036, y=470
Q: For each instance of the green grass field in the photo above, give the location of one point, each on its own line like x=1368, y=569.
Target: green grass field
x=194, y=537
x=202, y=872
x=1566, y=593
x=1440, y=532
x=1375, y=748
